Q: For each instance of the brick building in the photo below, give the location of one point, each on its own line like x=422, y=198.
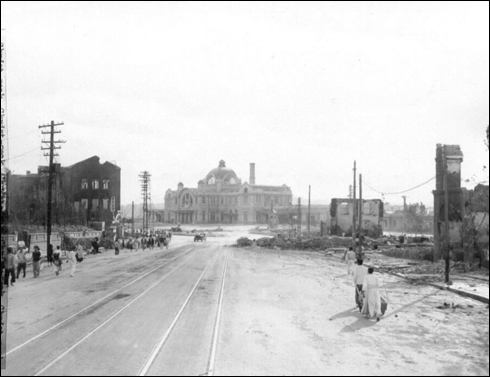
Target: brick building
x=87, y=191
x=221, y=197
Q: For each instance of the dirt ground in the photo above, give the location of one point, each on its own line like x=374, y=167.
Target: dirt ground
x=284, y=313
x=293, y=313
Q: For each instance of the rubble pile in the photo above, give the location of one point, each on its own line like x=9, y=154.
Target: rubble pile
x=414, y=253
x=244, y=242
x=280, y=242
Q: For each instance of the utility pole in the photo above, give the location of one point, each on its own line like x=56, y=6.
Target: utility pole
x=405, y=212
x=51, y=171
x=354, y=208
x=446, y=218
x=145, y=179
x=309, y=209
x=299, y=217
x=361, y=205
x=132, y=220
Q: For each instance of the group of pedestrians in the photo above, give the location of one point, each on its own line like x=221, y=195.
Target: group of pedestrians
x=367, y=286
x=14, y=262
x=159, y=240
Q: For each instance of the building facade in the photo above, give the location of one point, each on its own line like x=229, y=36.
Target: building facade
x=221, y=197
x=343, y=212
x=85, y=192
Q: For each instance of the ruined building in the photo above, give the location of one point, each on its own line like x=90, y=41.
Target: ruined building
x=85, y=192
x=342, y=214
x=221, y=197
x=448, y=162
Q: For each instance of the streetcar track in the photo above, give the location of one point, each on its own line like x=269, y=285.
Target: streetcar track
x=59, y=324
x=214, y=348
x=53, y=362
x=157, y=349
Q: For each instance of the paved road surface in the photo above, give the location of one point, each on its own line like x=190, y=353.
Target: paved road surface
x=204, y=309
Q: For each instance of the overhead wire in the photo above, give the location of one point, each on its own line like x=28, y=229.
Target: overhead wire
x=399, y=192
x=23, y=154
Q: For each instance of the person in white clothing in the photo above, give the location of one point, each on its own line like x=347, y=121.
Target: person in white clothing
x=72, y=260
x=359, y=274
x=350, y=258
x=372, y=299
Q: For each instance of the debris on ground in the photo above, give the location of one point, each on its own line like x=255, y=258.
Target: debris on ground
x=244, y=242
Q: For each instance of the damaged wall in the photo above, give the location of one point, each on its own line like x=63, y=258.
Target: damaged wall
x=448, y=161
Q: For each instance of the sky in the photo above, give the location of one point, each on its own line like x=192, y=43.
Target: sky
x=301, y=89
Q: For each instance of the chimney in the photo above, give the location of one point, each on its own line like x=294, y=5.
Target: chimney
x=28, y=172
x=252, y=173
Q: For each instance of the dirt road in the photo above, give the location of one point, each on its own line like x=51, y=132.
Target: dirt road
x=207, y=308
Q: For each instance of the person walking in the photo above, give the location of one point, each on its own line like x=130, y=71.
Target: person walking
x=36, y=261
x=22, y=264
x=49, y=255
x=80, y=254
x=9, y=268
x=95, y=246
x=359, y=274
x=58, y=265
x=116, y=247
x=372, y=300
x=350, y=257
x=72, y=260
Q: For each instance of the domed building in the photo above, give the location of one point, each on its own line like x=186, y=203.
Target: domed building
x=221, y=197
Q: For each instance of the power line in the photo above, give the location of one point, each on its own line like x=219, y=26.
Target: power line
x=20, y=155
x=17, y=136
x=400, y=192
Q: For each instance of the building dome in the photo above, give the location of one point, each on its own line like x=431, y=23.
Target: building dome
x=221, y=173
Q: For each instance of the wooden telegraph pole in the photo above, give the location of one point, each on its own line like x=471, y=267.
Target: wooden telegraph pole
x=299, y=217
x=132, y=219
x=360, y=216
x=51, y=171
x=354, y=207
x=309, y=209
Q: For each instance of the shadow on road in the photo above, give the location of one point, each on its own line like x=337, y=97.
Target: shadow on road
x=361, y=322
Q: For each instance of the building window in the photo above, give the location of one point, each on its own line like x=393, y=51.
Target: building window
x=95, y=203
x=245, y=199
x=84, y=203
x=95, y=184
x=105, y=203
x=222, y=200
x=76, y=206
x=84, y=184
x=344, y=209
x=276, y=200
x=203, y=200
x=105, y=184
x=366, y=208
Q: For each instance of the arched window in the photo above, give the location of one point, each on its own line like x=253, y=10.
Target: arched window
x=187, y=201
